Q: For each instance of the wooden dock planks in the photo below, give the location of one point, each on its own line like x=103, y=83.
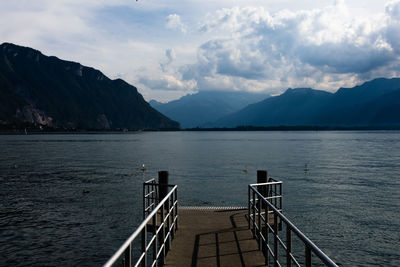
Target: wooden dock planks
x=214, y=237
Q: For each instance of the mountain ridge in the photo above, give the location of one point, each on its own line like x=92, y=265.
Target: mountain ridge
x=198, y=109
x=306, y=106
x=45, y=90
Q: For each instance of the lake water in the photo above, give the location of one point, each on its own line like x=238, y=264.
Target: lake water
x=348, y=203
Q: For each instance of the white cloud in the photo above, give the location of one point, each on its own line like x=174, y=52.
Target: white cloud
x=167, y=83
x=319, y=47
x=393, y=9
x=392, y=33
x=174, y=22
x=258, y=45
x=170, y=56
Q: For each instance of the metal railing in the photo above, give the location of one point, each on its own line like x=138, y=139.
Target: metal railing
x=150, y=196
x=157, y=230
x=266, y=221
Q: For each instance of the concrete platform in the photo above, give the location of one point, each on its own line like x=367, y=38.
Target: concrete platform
x=214, y=237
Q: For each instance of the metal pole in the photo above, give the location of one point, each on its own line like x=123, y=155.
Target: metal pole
x=281, y=198
x=144, y=201
x=128, y=256
x=177, y=201
x=266, y=233
x=262, y=178
x=169, y=223
x=163, y=181
x=173, y=215
x=248, y=205
x=259, y=225
x=155, y=244
x=153, y=194
x=163, y=191
x=254, y=214
x=288, y=246
x=163, y=233
x=275, y=239
x=144, y=244
x=308, y=256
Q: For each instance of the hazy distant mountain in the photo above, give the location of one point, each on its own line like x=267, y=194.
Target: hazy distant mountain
x=205, y=106
x=287, y=109
x=375, y=103
x=382, y=111
x=44, y=90
x=344, y=108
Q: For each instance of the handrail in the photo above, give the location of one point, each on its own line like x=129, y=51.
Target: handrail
x=152, y=180
x=127, y=245
x=270, y=209
x=267, y=183
x=150, y=196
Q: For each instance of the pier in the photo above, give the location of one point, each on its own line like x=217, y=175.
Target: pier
x=214, y=237
x=256, y=235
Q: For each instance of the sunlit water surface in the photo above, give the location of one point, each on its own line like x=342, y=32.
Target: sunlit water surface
x=348, y=203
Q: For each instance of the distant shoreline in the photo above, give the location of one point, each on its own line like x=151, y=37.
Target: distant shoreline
x=298, y=128
x=48, y=130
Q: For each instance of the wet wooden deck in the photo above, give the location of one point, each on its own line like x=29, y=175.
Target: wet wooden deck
x=216, y=237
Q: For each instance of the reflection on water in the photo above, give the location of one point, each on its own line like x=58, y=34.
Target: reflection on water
x=73, y=199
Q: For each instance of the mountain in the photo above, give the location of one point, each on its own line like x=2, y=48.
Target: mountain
x=279, y=110
x=42, y=90
x=374, y=103
x=205, y=106
x=382, y=111
x=346, y=105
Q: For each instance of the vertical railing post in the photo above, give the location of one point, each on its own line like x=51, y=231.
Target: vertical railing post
x=144, y=201
x=275, y=239
x=248, y=205
x=288, y=246
x=259, y=224
x=176, y=210
x=155, y=244
x=169, y=222
x=144, y=245
x=162, y=192
x=262, y=178
x=128, y=256
x=173, y=215
x=281, y=198
x=177, y=201
x=163, y=184
x=254, y=214
x=153, y=194
x=308, y=256
x=163, y=233
x=266, y=233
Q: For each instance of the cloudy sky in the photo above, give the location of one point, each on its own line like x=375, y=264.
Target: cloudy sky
x=170, y=48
